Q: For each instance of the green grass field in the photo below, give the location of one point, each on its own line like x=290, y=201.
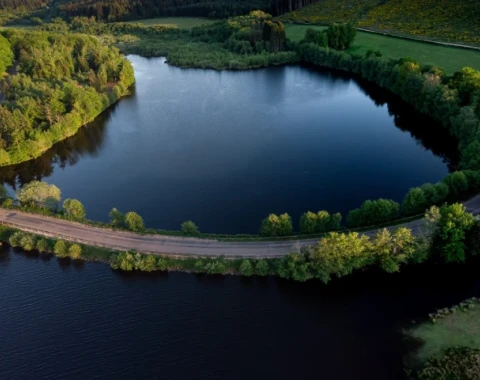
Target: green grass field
x=451, y=59
x=179, y=22
x=461, y=328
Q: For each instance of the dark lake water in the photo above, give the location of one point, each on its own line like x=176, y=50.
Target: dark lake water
x=225, y=149
x=60, y=320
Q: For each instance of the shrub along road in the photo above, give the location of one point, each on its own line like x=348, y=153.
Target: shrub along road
x=161, y=244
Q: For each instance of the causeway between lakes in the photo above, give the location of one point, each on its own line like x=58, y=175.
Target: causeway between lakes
x=162, y=244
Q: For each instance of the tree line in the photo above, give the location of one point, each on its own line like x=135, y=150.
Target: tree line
x=122, y=10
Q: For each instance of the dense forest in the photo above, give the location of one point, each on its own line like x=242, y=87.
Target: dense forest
x=23, y=4
x=119, y=10
x=60, y=83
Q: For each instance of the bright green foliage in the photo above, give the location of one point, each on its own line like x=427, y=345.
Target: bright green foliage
x=124, y=261
x=415, y=202
x=215, y=267
x=42, y=245
x=190, y=228
x=392, y=250
x=6, y=55
x=339, y=254
x=7, y=203
x=261, y=268
x=39, y=194
x=322, y=221
x=61, y=248
x=373, y=212
x=117, y=219
x=275, y=225
x=246, y=268
x=454, y=224
x=162, y=263
x=456, y=363
x=75, y=251
x=28, y=242
x=457, y=183
x=134, y=221
x=74, y=209
x=467, y=82
x=15, y=240
x=148, y=263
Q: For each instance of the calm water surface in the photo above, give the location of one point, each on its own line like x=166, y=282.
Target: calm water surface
x=225, y=149
x=60, y=320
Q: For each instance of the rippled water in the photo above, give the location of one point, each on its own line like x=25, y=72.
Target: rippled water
x=225, y=149
x=60, y=320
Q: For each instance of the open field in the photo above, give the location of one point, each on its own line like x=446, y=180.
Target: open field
x=451, y=59
x=179, y=22
x=445, y=20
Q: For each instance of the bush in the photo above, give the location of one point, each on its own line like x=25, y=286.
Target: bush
x=15, y=240
x=28, y=242
x=61, y=248
x=373, y=212
x=275, y=225
x=43, y=245
x=39, y=194
x=261, y=268
x=74, y=209
x=457, y=183
x=246, y=268
x=190, y=228
x=117, y=219
x=124, y=261
x=462, y=363
x=415, y=202
x=75, y=251
x=454, y=224
x=8, y=203
x=322, y=221
x=134, y=221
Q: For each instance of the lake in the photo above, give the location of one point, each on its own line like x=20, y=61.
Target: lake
x=225, y=149
x=64, y=320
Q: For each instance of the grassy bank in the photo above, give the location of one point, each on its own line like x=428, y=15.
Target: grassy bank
x=176, y=22
x=448, y=344
x=451, y=59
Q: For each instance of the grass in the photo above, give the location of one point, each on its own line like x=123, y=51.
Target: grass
x=443, y=20
x=179, y=22
x=450, y=59
x=451, y=327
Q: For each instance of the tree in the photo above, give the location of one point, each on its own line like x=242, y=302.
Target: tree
x=75, y=251
x=61, y=248
x=74, y=209
x=473, y=239
x=415, y=202
x=308, y=223
x=457, y=183
x=246, y=268
x=454, y=224
x=470, y=156
x=43, y=246
x=275, y=225
x=373, y=212
x=134, y=221
x=190, y=228
x=394, y=249
x=148, y=263
x=3, y=192
x=339, y=254
x=117, y=219
x=39, y=194
x=124, y=261
x=261, y=268
x=15, y=240
x=335, y=222
x=28, y=242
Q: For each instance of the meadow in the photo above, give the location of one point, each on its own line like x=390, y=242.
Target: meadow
x=178, y=22
x=449, y=58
